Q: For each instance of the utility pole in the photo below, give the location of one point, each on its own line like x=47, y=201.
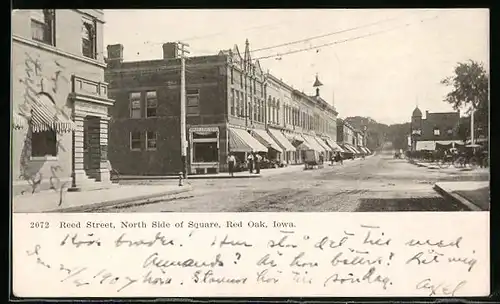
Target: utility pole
x=472, y=124
x=181, y=47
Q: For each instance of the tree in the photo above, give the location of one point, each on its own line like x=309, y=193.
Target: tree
x=470, y=89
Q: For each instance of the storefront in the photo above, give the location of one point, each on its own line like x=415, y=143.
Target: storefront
x=241, y=143
x=204, y=150
x=274, y=152
x=288, y=148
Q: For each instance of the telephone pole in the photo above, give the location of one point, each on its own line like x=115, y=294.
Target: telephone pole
x=182, y=49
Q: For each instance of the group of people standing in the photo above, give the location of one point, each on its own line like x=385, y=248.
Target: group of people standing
x=337, y=157
x=253, y=160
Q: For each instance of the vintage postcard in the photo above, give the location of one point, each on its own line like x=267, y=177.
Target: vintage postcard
x=250, y=153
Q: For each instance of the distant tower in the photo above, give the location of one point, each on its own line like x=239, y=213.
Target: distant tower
x=416, y=127
x=316, y=85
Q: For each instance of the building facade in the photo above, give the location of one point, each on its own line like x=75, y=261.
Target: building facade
x=59, y=100
x=348, y=137
x=434, y=128
x=232, y=107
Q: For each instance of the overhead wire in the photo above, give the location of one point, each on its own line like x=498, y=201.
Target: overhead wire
x=328, y=34
x=339, y=41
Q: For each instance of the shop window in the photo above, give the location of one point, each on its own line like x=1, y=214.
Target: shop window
x=437, y=132
x=193, y=102
x=135, y=105
x=89, y=38
x=43, y=26
x=151, y=137
x=135, y=141
x=151, y=104
x=205, y=152
x=44, y=144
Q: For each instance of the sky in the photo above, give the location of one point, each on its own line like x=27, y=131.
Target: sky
x=378, y=63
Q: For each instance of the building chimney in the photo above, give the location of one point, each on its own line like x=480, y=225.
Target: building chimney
x=170, y=50
x=317, y=92
x=115, y=55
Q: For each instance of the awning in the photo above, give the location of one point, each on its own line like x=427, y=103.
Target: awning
x=294, y=138
x=19, y=121
x=45, y=117
x=313, y=143
x=362, y=149
x=346, y=148
x=350, y=148
x=357, y=151
x=241, y=141
x=266, y=140
x=281, y=140
x=431, y=144
x=322, y=143
x=333, y=145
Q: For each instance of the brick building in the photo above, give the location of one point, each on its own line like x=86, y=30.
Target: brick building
x=232, y=106
x=59, y=100
x=434, y=128
x=349, y=138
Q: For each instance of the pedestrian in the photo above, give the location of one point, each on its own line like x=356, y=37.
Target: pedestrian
x=332, y=159
x=250, y=162
x=231, y=161
x=257, y=159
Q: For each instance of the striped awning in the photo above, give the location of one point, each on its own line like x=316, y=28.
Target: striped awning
x=45, y=117
x=281, y=140
x=322, y=143
x=266, y=140
x=241, y=141
x=19, y=121
x=313, y=143
x=333, y=145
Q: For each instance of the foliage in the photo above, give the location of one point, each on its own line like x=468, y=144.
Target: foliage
x=470, y=89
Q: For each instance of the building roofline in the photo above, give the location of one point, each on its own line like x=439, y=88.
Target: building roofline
x=281, y=82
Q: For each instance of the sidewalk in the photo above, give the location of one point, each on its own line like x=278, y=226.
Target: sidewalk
x=451, y=168
x=474, y=195
x=48, y=201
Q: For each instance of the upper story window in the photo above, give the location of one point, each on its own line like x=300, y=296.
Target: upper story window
x=151, y=104
x=89, y=38
x=135, y=141
x=193, y=101
x=151, y=138
x=43, y=26
x=232, y=76
x=437, y=132
x=135, y=105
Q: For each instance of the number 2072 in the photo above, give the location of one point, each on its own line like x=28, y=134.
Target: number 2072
x=43, y=225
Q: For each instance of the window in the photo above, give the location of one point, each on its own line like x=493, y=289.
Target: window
x=205, y=152
x=232, y=102
x=135, y=105
x=436, y=132
x=151, y=104
x=232, y=76
x=242, y=105
x=278, y=111
x=89, y=38
x=193, y=102
x=42, y=26
x=450, y=131
x=241, y=80
x=135, y=141
x=44, y=144
x=151, y=140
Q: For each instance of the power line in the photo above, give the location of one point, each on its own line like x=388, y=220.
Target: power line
x=326, y=35
x=339, y=41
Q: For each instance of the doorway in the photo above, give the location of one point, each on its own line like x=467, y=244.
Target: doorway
x=91, y=146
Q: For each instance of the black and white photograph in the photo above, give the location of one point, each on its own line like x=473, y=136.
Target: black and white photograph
x=256, y=110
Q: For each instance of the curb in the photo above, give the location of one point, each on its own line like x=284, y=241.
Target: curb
x=124, y=201
x=455, y=197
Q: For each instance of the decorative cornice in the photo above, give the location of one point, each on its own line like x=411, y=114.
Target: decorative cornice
x=57, y=51
x=92, y=99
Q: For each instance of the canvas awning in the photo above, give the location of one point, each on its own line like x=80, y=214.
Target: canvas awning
x=266, y=140
x=322, y=143
x=350, y=148
x=313, y=143
x=281, y=140
x=241, y=141
x=294, y=139
x=45, y=116
x=362, y=149
x=19, y=121
x=333, y=145
x=431, y=144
